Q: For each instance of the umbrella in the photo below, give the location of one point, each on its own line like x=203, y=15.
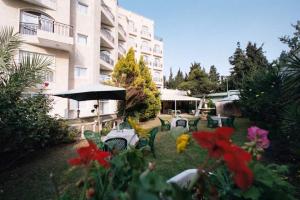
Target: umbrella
x=94, y=92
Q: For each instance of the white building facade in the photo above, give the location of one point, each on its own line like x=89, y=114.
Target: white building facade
x=84, y=39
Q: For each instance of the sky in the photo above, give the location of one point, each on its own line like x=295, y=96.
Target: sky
x=207, y=31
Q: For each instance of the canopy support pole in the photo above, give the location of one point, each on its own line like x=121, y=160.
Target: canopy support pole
x=98, y=115
x=175, y=109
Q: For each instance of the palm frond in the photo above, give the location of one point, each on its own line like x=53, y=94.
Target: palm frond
x=292, y=79
x=9, y=43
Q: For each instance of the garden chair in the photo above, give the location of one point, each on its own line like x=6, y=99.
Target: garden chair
x=165, y=124
x=117, y=143
x=212, y=123
x=94, y=137
x=181, y=122
x=193, y=124
x=143, y=142
x=228, y=122
x=124, y=125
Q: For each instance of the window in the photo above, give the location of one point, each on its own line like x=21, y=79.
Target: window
x=145, y=29
x=31, y=21
x=49, y=76
x=80, y=72
x=82, y=8
x=82, y=39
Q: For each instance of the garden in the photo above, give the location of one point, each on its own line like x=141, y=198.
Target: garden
x=256, y=158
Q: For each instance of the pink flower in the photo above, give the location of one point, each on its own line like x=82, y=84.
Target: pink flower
x=260, y=136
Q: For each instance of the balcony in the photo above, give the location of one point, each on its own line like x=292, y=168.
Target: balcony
x=133, y=30
x=104, y=78
x=122, y=50
x=107, y=16
x=121, y=33
x=146, y=49
x=157, y=79
x=157, y=65
x=146, y=35
x=48, y=33
x=107, y=39
x=157, y=52
x=50, y=4
x=107, y=62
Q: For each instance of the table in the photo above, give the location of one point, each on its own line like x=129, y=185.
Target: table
x=219, y=119
x=174, y=120
x=128, y=134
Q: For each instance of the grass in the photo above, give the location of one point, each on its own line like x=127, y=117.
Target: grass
x=169, y=162
x=31, y=180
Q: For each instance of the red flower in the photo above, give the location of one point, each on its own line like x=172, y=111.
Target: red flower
x=90, y=153
x=219, y=145
x=215, y=142
x=236, y=160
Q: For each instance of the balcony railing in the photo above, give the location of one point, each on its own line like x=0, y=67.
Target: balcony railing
x=104, y=77
x=157, y=79
x=46, y=25
x=146, y=48
x=121, y=29
x=108, y=10
x=156, y=64
x=108, y=35
x=106, y=58
x=146, y=33
x=122, y=49
x=132, y=29
x=157, y=50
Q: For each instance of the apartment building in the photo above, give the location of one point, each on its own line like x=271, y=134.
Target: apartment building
x=84, y=39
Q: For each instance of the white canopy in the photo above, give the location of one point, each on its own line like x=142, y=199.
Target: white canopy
x=176, y=95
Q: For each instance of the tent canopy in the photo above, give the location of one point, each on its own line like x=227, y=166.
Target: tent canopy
x=176, y=95
x=94, y=92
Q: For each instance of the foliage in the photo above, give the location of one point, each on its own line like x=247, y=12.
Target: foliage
x=142, y=96
x=124, y=175
x=143, y=133
x=245, y=62
x=292, y=42
x=269, y=183
x=260, y=97
x=270, y=98
x=25, y=122
x=197, y=81
x=152, y=93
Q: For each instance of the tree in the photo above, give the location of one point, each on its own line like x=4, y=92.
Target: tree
x=151, y=92
x=170, y=82
x=142, y=96
x=214, y=78
x=197, y=81
x=237, y=61
x=246, y=61
x=293, y=42
x=178, y=79
x=25, y=122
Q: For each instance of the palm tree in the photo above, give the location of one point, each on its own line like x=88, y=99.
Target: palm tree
x=16, y=76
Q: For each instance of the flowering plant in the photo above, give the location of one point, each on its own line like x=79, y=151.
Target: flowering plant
x=222, y=150
x=258, y=141
x=90, y=153
x=143, y=133
x=181, y=142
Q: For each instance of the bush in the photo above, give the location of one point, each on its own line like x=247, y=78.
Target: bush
x=25, y=124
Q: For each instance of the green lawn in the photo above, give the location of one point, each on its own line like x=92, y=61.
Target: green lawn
x=31, y=181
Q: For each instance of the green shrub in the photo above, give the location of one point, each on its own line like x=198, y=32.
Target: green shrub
x=25, y=123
